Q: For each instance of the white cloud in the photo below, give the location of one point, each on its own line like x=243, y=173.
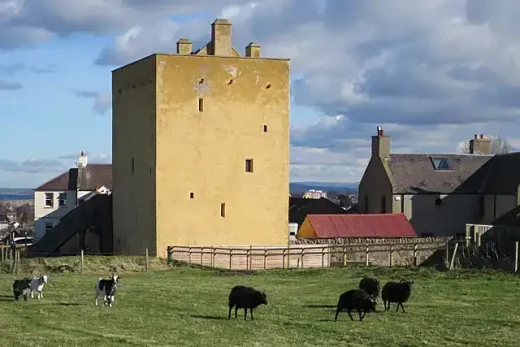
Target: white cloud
x=102, y=101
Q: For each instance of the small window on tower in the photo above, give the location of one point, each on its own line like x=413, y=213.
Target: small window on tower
x=222, y=210
x=265, y=128
x=132, y=164
x=249, y=165
x=201, y=104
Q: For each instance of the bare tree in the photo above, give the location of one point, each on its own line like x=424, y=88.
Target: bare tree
x=499, y=145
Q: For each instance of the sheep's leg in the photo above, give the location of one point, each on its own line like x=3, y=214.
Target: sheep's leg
x=25, y=297
x=402, y=307
x=236, y=311
x=364, y=313
x=41, y=295
x=360, y=318
x=337, y=312
x=384, y=303
x=350, y=315
x=251, y=311
x=245, y=313
x=229, y=315
x=32, y=297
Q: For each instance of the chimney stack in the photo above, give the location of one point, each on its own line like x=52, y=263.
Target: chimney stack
x=381, y=144
x=221, y=38
x=253, y=50
x=82, y=160
x=480, y=144
x=184, y=46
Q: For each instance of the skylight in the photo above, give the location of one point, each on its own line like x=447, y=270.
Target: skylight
x=441, y=163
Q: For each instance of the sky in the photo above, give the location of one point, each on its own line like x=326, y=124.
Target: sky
x=432, y=73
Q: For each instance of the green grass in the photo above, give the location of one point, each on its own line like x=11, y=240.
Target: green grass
x=186, y=306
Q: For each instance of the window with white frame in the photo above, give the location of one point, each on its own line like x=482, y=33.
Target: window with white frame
x=49, y=199
x=62, y=199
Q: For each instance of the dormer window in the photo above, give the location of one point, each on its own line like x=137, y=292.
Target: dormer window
x=441, y=163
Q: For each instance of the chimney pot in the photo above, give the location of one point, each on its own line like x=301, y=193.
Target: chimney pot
x=253, y=50
x=476, y=136
x=481, y=136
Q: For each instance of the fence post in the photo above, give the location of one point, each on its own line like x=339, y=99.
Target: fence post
x=302, y=256
x=146, y=259
x=366, y=255
x=230, y=257
x=453, y=256
x=169, y=254
x=189, y=255
x=345, y=256
x=82, y=260
x=212, y=256
x=323, y=257
x=516, y=256
x=415, y=255
x=250, y=257
x=391, y=255
x=447, y=252
x=265, y=258
x=201, y=256
x=283, y=258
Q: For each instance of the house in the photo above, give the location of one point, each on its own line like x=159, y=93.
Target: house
x=55, y=198
x=200, y=148
x=299, y=208
x=358, y=226
x=440, y=193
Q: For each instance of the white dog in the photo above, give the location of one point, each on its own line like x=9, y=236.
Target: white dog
x=37, y=284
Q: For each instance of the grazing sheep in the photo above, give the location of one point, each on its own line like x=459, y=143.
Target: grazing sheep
x=246, y=298
x=370, y=285
x=398, y=292
x=356, y=299
x=37, y=284
x=21, y=288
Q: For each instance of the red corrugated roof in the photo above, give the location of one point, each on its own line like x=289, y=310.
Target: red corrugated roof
x=361, y=225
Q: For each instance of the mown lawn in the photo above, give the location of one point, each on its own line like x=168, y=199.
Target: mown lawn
x=188, y=307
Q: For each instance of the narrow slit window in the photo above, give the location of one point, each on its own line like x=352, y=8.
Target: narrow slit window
x=192, y=195
x=249, y=165
x=265, y=128
x=201, y=104
x=133, y=165
x=223, y=210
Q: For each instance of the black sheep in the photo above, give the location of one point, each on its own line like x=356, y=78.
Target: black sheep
x=246, y=298
x=398, y=292
x=356, y=299
x=21, y=288
x=370, y=285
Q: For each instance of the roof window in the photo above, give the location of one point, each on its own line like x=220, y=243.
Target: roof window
x=441, y=163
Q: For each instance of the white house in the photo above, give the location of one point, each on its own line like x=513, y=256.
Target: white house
x=57, y=197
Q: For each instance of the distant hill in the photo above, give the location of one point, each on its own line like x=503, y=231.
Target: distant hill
x=300, y=187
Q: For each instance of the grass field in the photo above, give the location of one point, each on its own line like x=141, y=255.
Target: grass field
x=188, y=307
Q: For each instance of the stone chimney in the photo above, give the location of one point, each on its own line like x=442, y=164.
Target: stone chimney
x=480, y=145
x=253, y=50
x=82, y=161
x=184, y=46
x=221, y=38
x=380, y=144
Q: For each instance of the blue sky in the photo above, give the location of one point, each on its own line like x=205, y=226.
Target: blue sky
x=432, y=73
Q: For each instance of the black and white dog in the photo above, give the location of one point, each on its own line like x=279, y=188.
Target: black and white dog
x=107, y=289
x=37, y=284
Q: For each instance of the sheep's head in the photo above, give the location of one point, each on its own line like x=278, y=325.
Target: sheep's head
x=372, y=303
x=262, y=297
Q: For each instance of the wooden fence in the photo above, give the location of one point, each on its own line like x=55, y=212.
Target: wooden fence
x=306, y=256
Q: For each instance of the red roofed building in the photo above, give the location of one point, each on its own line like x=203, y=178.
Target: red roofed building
x=330, y=226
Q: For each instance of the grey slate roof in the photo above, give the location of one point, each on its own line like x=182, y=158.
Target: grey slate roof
x=89, y=178
x=414, y=173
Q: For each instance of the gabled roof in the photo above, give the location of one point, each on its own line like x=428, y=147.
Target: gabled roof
x=415, y=173
x=299, y=208
x=511, y=218
x=387, y=225
x=88, y=178
x=499, y=175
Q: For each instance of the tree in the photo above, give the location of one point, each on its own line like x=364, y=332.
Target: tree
x=499, y=145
